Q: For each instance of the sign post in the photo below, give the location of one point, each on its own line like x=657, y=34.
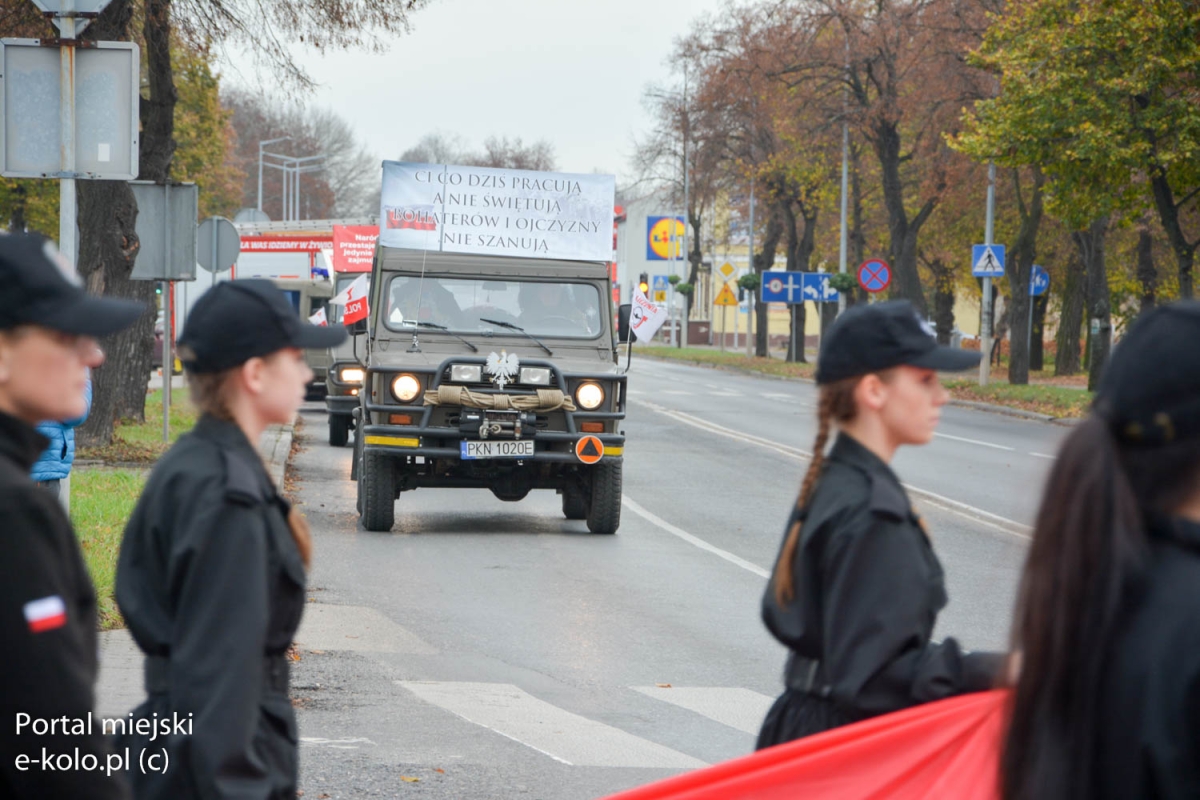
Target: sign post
x=1039, y=283
x=987, y=262
x=218, y=245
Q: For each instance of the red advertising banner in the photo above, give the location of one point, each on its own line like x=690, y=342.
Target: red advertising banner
x=354, y=247
x=286, y=244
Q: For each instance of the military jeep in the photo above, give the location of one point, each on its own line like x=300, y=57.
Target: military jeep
x=308, y=296
x=346, y=372
x=490, y=372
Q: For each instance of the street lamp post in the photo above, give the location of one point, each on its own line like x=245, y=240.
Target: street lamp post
x=261, y=144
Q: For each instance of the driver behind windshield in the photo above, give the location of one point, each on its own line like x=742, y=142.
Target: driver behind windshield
x=551, y=306
x=414, y=300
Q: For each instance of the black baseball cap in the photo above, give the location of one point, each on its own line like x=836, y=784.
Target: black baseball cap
x=40, y=288
x=236, y=321
x=879, y=336
x=1150, y=392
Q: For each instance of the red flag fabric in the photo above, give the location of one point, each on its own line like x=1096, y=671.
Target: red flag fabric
x=935, y=751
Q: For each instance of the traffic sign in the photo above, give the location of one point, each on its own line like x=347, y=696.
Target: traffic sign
x=783, y=287
x=217, y=235
x=987, y=260
x=660, y=288
x=726, y=297
x=589, y=449
x=874, y=275
x=817, y=288
x=727, y=270
x=1039, y=281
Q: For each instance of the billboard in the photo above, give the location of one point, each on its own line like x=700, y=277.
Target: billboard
x=502, y=212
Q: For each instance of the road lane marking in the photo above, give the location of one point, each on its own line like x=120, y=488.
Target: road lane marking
x=565, y=737
x=675, y=391
x=726, y=394
x=336, y=744
x=965, y=510
x=742, y=709
x=360, y=628
x=974, y=441
x=693, y=540
x=1043, y=455
x=779, y=396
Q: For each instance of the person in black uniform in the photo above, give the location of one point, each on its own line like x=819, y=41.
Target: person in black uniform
x=48, y=326
x=1107, y=706
x=211, y=573
x=856, y=588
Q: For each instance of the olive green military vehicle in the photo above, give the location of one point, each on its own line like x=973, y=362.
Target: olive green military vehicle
x=346, y=372
x=308, y=297
x=490, y=372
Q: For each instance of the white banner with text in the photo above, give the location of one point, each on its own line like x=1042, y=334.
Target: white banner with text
x=504, y=212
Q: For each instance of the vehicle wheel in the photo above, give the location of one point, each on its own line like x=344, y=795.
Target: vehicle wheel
x=574, y=501
x=377, y=487
x=339, y=430
x=604, y=510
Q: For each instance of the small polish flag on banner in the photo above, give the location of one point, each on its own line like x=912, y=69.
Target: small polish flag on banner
x=318, y=318
x=46, y=614
x=354, y=298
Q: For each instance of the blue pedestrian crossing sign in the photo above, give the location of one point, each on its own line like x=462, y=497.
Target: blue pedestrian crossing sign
x=987, y=260
x=659, y=288
x=817, y=288
x=1039, y=281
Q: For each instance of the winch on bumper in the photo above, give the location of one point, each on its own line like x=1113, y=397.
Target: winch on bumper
x=509, y=440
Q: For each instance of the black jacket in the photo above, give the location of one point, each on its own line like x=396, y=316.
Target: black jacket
x=868, y=588
x=212, y=587
x=1149, y=736
x=48, y=631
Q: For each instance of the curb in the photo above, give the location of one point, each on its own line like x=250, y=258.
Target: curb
x=991, y=408
x=275, y=446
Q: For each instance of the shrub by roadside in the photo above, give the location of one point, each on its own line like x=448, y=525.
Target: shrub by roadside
x=141, y=443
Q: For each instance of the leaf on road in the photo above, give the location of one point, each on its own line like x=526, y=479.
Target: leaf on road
x=409, y=779
x=439, y=771
x=663, y=685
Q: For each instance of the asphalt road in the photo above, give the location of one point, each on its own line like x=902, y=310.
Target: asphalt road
x=494, y=650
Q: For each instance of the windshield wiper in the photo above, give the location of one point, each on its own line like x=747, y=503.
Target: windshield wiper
x=518, y=329
x=444, y=329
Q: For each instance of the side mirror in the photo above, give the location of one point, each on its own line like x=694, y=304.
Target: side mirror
x=623, y=312
x=358, y=326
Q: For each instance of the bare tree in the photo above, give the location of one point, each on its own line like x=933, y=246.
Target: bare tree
x=499, y=152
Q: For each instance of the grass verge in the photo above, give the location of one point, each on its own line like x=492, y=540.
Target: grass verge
x=1055, y=400
x=102, y=500
x=697, y=355
x=141, y=442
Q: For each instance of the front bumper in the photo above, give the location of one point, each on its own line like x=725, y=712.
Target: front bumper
x=343, y=405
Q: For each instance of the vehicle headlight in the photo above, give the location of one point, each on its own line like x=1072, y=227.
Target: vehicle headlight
x=405, y=387
x=535, y=376
x=466, y=373
x=351, y=375
x=589, y=395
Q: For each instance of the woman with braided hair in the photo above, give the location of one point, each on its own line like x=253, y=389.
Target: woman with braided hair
x=857, y=587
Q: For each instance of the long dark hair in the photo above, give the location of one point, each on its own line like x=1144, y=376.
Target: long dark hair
x=835, y=404
x=1084, y=570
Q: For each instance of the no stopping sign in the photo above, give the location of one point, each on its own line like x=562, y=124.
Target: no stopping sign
x=874, y=275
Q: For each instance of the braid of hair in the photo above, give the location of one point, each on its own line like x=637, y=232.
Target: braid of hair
x=835, y=404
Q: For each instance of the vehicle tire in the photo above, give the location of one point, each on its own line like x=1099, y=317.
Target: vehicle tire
x=377, y=487
x=574, y=501
x=604, y=510
x=339, y=430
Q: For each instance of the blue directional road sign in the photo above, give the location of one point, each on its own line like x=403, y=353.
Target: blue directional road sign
x=817, y=288
x=783, y=287
x=987, y=260
x=1039, y=281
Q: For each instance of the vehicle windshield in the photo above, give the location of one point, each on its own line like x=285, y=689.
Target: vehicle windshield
x=344, y=279
x=558, y=309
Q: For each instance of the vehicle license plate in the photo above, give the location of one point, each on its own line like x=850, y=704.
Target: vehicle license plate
x=504, y=448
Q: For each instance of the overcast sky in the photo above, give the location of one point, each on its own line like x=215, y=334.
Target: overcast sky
x=569, y=71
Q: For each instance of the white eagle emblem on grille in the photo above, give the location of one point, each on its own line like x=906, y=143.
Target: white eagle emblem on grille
x=502, y=368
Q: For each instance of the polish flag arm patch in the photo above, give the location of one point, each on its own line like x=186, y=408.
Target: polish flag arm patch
x=46, y=614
